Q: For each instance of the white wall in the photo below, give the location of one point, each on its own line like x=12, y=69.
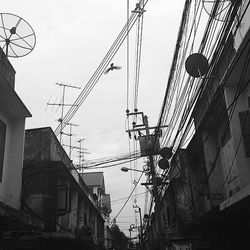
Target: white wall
x=10, y=187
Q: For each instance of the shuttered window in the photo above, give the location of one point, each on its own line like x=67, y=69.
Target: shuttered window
x=2, y=146
x=245, y=129
x=63, y=199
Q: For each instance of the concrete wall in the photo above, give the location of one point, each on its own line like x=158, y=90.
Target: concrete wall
x=241, y=160
x=10, y=187
x=73, y=215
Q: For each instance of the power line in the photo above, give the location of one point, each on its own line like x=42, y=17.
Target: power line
x=128, y=197
x=101, y=68
x=124, y=198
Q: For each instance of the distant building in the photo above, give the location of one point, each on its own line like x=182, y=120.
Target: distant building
x=96, y=184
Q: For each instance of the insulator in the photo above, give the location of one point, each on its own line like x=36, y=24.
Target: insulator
x=160, y=133
x=145, y=217
x=127, y=111
x=129, y=135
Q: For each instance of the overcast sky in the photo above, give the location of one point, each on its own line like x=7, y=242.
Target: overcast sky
x=72, y=39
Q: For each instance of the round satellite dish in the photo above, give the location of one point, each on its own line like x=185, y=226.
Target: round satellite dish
x=17, y=38
x=196, y=65
x=221, y=10
x=166, y=152
x=163, y=164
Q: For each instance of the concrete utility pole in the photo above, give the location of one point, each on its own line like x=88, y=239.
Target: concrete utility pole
x=145, y=127
x=155, y=189
x=131, y=227
x=141, y=229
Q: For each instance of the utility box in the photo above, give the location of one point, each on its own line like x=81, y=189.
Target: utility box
x=149, y=145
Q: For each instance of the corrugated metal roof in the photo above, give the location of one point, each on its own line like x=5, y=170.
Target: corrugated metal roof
x=93, y=179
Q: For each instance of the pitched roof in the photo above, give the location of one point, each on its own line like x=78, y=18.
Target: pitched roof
x=93, y=179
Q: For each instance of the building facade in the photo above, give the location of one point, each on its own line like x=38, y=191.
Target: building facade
x=96, y=184
x=54, y=192
x=13, y=114
x=207, y=202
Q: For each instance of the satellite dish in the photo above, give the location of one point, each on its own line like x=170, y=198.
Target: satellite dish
x=221, y=10
x=163, y=164
x=17, y=38
x=166, y=153
x=196, y=65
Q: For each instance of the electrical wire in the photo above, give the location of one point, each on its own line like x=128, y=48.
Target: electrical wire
x=100, y=69
x=214, y=46
x=128, y=198
x=181, y=125
x=124, y=198
x=138, y=58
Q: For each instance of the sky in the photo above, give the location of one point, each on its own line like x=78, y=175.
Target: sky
x=72, y=37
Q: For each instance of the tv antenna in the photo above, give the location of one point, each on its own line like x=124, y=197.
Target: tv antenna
x=70, y=134
x=81, y=152
x=17, y=38
x=63, y=104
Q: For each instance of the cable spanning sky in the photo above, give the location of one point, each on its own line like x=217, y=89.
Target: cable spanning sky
x=72, y=40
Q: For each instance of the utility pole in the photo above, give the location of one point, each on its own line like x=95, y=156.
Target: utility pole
x=155, y=189
x=141, y=229
x=149, y=153
x=131, y=227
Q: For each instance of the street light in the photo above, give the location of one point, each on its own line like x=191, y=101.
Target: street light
x=124, y=169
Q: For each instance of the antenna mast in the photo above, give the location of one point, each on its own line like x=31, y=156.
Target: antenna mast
x=81, y=153
x=62, y=104
x=70, y=134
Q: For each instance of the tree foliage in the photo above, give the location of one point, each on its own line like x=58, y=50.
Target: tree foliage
x=119, y=239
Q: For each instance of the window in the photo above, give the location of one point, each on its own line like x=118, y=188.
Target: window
x=63, y=199
x=245, y=130
x=2, y=146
